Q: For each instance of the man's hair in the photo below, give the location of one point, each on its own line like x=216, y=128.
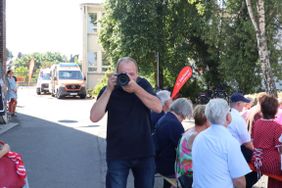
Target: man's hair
x=269, y=107
x=199, y=115
x=126, y=60
x=182, y=106
x=216, y=111
x=164, y=96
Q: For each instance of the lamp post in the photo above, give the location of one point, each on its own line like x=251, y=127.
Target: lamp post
x=158, y=70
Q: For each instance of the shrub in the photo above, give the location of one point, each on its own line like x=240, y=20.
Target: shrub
x=95, y=91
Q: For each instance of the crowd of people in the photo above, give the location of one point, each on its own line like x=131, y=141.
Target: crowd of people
x=145, y=135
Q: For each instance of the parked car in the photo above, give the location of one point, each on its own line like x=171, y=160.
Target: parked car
x=43, y=81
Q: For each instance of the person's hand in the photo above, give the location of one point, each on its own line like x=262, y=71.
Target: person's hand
x=5, y=149
x=112, y=81
x=131, y=86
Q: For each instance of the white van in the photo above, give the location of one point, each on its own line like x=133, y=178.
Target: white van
x=43, y=81
x=67, y=80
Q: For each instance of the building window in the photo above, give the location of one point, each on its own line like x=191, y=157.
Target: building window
x=105, y=63
x=92, y=23
x=92, y=61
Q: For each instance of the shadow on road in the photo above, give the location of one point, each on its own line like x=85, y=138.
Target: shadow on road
x=61, y=156
x=58, y=156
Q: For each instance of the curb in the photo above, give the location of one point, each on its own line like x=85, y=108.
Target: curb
x=5, y=127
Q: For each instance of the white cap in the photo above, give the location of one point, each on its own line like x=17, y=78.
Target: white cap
x=163, y=95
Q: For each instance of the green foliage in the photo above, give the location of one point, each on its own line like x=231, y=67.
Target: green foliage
x=239, y=62
x=217, y=40
x=99, y=86
x=21, y=72
x=41, y=60
x=129, y=29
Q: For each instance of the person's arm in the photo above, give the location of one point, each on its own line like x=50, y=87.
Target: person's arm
x=150, y=101
x=5, y=149
x=98, y=109
x=239, y=182
x=249, y=145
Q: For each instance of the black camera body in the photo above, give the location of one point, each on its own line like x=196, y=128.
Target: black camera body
x=122, y=79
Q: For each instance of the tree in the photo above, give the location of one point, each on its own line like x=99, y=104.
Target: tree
x=137, y=29
x=231, y=14
x=216, y=39
x=41, y=60
x=257, y=16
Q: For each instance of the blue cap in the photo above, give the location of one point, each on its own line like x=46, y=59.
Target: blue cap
x=239, y=97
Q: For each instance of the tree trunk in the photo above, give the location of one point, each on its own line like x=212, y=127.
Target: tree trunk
x=259, y=26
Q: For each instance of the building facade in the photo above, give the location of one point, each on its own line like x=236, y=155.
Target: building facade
x=94, y=64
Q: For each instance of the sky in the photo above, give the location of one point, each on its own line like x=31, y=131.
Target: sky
x=44, y=25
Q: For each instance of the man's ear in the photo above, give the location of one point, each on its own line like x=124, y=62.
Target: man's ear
x=228, y=119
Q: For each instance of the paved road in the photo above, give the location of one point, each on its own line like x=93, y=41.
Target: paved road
x=59, y=144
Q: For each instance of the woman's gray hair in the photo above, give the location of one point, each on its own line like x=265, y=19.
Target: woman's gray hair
x=216, y=111
x=182, y=106
x=164, y=96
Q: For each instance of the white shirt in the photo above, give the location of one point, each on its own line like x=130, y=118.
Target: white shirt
x=238, y=127
x=217, y=159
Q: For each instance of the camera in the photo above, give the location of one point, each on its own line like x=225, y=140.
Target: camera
x=122, y=79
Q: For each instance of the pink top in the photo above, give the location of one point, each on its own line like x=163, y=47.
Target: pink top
x=279, y=116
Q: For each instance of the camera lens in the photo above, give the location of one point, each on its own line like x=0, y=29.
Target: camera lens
x=122, y=79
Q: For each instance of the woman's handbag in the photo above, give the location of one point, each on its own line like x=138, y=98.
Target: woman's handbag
x=12, y=171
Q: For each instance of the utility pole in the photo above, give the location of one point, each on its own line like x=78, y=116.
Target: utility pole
x=158, y=70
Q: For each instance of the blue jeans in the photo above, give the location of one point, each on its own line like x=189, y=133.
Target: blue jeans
x=143, y=170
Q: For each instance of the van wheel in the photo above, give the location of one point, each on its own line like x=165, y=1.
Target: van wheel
x=82, y=96
x=38, y=91
x=58, y=95
x=4, y=118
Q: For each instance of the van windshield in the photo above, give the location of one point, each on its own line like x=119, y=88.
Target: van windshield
x=45, y=76
x=70, y=75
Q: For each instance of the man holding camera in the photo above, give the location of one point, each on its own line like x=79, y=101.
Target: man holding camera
x=128, y=102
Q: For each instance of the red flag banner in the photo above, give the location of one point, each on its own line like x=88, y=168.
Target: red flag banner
x=182, y=77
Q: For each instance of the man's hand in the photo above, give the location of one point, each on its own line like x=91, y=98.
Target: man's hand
x=131, y=86
x=5, y=149
x=112, y=81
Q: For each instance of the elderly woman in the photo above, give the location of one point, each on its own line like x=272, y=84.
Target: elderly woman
x=183, y=163
x=168, y=132
x=217, y=157
x=266, y=133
